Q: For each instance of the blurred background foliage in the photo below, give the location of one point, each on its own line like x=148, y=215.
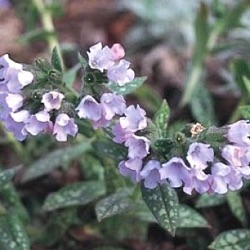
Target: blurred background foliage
x=70, y=195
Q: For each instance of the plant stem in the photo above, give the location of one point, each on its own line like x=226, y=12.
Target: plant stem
x=48, y=26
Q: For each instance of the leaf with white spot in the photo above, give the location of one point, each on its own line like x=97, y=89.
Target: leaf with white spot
x=161, y=119
x=163, y=203
x=76, y=194
x=7, y=175
x=236, y=206
x=54, y=160
x=117, y=203
x=210, y=200
x=107, y=148
x=189, y=218
x=238, y=239
x=128, y=87
x=13, y=234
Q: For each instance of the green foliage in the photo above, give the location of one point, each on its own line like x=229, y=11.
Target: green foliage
x=56, y=60
x=245, y=111
x=7, y=175
x=210, y=200
x=163, y=203
x=161, y=119
x=82, y=61
x=70, y=75
x=231, y=240
x=54, y=160
x=36, y=35
x=76, y=194
x=128, y=88
x=114, y=204
x=13, y=233
x=236, y=206
x=163, y=146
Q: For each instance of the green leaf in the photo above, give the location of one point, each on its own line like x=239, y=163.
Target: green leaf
x=161, y=119
x=54, y=160
x=163, y=146
x=163, y=203
x=202, y=106
x=56, y=60
x=189, y=218
x=117, y=203
x=70, y=75
x=210, y=200
x=13, y=234
x=201, y=33
x=236, y=206
x=128, y=87
x=74, y=195
x=245, y=111
x=107, y=148
x=83, y=61
x=6, y=175
x=232, y=240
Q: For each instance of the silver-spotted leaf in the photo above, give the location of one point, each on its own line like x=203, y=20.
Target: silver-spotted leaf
x=54, y=160
x=6, y=175
x=128, y=87
x=117, y=203
x=210, y=200
x=161, y=119
x=236, y=206
x=76, y=194
x=163, y=203
x=238, y=239
x=189, y=218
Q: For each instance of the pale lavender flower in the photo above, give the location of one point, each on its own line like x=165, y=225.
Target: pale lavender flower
x=138, y=146
x=15, y=123
x=131, y=168
x=89, y=108
x=64, y=126
x=239, y=133
x=134, y=120
x=224, y=177
x=14, y=101
x=12, y=76
x=112, y=104
x=117, y=51
x=199, y=154
x=4, y=4
x=52, y=100
x=120, y=134
x=100, y=58
x=151, y=175
x=175, y=171
x=4, y=107
x=40, y=122
x=121, y=73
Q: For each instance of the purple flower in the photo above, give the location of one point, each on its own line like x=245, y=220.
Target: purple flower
x=120, y=134
x=150, y=174
x=12, y=76
x=225, y=177
x=40, y=122
x=138, y=146
x=15, y=123
x=4, y=107
x=175, y=171
x=199, y=154
x=121, y=73
x=131, y=168
x=117, y=51
x=112, y=104
x=135, y=119
x=239, y=133
x=89, y=108
x=52, y=100
x=14, y=101
x=4, y=4
x=100, y=58
x=64, y=126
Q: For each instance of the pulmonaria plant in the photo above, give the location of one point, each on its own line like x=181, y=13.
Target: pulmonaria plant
x=35, y=100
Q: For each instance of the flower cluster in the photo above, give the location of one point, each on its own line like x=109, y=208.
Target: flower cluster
x=16, y=115
x=110, y=60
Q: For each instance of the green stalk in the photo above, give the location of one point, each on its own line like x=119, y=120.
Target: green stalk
x=48, y=26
